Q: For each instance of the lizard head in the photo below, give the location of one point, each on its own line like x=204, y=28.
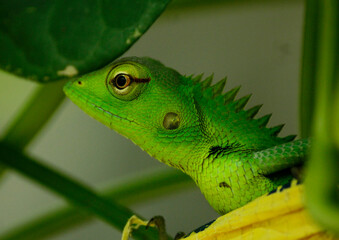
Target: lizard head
x=143, y=100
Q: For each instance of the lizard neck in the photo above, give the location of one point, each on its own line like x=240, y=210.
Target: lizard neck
x=184, y=156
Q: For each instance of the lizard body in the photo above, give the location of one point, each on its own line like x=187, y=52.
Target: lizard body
x=188, y=124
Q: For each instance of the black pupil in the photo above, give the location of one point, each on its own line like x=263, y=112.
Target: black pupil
x=121, y=81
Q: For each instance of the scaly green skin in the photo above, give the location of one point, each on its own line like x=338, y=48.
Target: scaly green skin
x=232, y=157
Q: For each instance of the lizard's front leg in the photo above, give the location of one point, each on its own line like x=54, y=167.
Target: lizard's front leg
x=135, y=222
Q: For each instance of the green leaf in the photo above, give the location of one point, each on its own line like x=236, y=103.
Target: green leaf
x=47, y=40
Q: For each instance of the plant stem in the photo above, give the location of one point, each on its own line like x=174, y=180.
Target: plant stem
x=44, y=101
x=79, y=195
x=322, y=178
x=34, y=115
x=136, y=190
x=308, y=69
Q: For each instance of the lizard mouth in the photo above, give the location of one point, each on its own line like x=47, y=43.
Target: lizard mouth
x=98, y=108
x=83, y=100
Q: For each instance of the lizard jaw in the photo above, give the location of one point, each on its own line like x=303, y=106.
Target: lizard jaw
x=97, y=111
x=98, y=108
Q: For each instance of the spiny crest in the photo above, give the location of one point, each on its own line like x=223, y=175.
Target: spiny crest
x=230, y=95
x=253, y=111
x=207, y=82
x=239, y=104
x=197, y=78
x=289, y=138
x=276, y=130
x=262, y=122
x=218, y=88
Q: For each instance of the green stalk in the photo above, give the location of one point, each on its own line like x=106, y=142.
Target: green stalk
x=322, y=180
x=36, y=112
x=135, y=190
x=308, y=68
x=33, y=116
x=79, y=195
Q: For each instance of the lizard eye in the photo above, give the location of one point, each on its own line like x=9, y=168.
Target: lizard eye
x=122, y=81
x=122, y=84
x=126, y=81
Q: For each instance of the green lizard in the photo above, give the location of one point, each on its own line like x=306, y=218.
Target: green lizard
x=190, y=125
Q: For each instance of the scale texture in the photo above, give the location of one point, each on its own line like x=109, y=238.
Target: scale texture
x=187, y=123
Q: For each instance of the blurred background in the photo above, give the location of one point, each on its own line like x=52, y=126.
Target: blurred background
x=256, y=45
